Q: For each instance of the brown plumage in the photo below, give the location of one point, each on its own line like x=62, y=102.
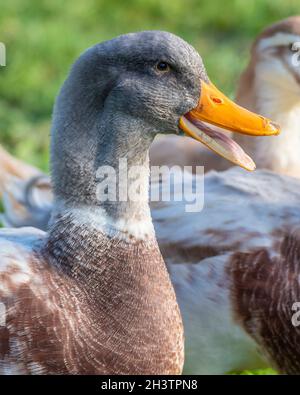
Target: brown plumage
x=235, y=269
x=90, y=310
x=264, y=290
x=235, y=272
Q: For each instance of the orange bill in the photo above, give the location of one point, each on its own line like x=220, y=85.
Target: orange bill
x=214, y=108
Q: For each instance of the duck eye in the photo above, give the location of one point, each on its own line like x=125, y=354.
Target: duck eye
x=162, y=67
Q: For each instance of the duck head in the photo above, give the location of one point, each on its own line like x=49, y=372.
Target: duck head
x=270, y=85
x=121, y=93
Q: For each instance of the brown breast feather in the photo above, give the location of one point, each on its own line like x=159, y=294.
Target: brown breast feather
x=264, y=290
x=108, y=308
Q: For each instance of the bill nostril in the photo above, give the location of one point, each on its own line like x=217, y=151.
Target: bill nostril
x=217, y=100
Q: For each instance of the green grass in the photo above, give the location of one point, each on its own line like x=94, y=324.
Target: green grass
x=269, y=372
x=43, y=37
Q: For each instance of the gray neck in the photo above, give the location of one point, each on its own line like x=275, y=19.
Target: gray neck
x=86, y=140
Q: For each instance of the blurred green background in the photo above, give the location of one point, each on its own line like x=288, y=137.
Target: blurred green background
x=43, y=37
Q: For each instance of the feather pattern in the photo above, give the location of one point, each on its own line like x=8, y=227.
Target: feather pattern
x=214, y=258
x=71, y=311
x=89, y=301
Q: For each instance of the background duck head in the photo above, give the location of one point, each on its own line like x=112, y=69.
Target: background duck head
x=270, y=85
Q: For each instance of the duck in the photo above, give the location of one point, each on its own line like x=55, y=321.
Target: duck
x=235, y=269
x=236, y=283
x=270, y=85
x=25, y=191
x=92, y=295
x=13, y=168
x=26, y=201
